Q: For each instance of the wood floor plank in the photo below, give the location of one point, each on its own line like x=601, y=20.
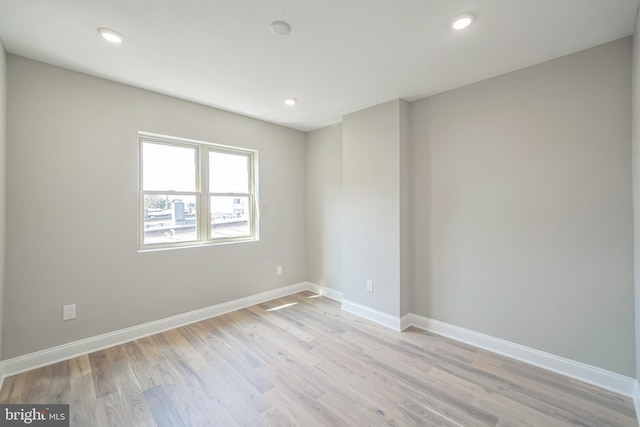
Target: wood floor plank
x=177, y=371
x=103, y=380
x=296, y=412
x=188, y=408
x=218, y=414
x=221, y=330
x=151, y=351
x=600, y=397
x=276, y=336
x=239, y=403
x=195, y=335
x=294, y=329
x=559, y=386
x=83, y=404
x=479, y=397
x=12, y=389
x=424, y=414
x=60, y=387
x=79, y=366
x=354, y=412
x=164, y=412
x=273, y=417
x=111, y=411
x=242, y=367
x=8, y=387
x=148, y=423
x=134, y=404
x=562, y=397
x=302, y=361
x=83, y=409
x=353, y=376
x=454, y=406
x=184, y=348
x=37, y=384
x=140, y=366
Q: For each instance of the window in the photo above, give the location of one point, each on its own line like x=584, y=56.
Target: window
x=195, y=193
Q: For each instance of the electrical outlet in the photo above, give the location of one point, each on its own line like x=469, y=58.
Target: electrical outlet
x=279, y=270
x=69, y=312
x=370, y=285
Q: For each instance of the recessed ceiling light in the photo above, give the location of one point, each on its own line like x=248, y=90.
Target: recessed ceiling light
x=110, y=35
x=290, y=101
x=280, y=28
x=462, y=21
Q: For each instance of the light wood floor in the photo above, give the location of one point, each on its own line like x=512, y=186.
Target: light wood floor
x=309, y=364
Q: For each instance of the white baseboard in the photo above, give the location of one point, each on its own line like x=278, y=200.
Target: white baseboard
x=590, y=374
x=406, y=321
x=599, y=377
x=324, y=291
x=59, y=353
x=636, y=399
x=371, y=314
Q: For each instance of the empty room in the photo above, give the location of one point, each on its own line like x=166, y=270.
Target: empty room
x=320, y=213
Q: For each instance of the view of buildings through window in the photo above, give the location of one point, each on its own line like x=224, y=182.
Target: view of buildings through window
x=174, y=219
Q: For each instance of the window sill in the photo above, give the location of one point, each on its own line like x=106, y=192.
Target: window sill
x=191, y=245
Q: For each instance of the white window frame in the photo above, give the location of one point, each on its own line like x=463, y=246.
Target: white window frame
x=201, y=193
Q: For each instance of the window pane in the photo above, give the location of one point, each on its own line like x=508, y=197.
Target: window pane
x=229, y=217
x=169, y=218
x=228, y=173
x=168, y=168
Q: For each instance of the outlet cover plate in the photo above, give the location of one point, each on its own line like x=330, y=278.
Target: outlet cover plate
x=69, y=312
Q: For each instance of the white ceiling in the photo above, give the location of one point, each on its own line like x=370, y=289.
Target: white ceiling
x=341, y=55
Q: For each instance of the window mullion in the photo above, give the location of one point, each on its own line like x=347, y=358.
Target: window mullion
x=205, y=214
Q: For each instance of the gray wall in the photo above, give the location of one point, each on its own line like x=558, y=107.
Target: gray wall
x=636, y=182
x=372, y=155
x=523, y=214
x=3, y=176
x=72, y=209
x=324, y=206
